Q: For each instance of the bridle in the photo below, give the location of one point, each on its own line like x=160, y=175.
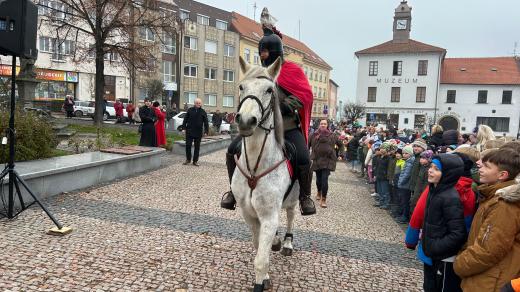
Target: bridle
x=253, y=179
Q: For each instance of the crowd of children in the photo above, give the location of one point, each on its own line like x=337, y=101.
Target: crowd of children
x=460, y=200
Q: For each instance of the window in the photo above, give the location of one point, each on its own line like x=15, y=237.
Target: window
x=316, y=76
x=321, y=77
x=450, y=96
x=228, y=101
x=184, y=14
x=319, y=92
x=398, y=68
x=150, y=64
x=202, y=19
x=190, y=97
x=372, y=92
x=247, y=55
x=210, y=47
x=506, y=96
x=43, y=7
x=497, y=124
x=57, y=9
x=220, y=24
x=147, y=34
x=256, y=58
x=190, y=70
x=168, y=71
x=190, y=42
x=229, y=50
x=311, y=75
x=373, y=68
x=306, y=73
x=210, y=73
x=45, y=44
x=423, y=67
x=396, y=94
x=315, y=91
x=482, y=96
x=229, y=76
x=421, y=94
x=111, y=56
x=168, y=46
x=210, y=99
x=419, y=121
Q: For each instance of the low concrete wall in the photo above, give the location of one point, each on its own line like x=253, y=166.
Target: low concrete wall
x=52, y=176
x=207, y=145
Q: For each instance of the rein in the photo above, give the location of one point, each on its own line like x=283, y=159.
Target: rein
x=252, y=179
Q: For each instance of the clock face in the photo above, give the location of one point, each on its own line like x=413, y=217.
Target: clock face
x=401, y=23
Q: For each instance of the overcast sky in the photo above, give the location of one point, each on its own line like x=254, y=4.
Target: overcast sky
x=335, y=29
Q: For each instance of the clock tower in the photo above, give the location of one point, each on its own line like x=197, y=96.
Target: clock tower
x=402, y=23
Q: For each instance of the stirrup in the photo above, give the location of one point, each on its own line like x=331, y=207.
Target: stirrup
x=308, y=213
x=228, y=205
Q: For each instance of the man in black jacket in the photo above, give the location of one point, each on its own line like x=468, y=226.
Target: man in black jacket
x=444, y=229
x=194, y=125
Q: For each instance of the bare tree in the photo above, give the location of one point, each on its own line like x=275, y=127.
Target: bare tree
x=155, y=89
x=354, y=111
x=105, y=30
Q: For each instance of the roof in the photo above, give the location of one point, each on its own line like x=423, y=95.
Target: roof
x=391, y=47
x=251, y=29
x=488, y=71
x=333, y=82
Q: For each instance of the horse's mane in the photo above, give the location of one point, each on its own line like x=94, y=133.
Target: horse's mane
x=256, y=72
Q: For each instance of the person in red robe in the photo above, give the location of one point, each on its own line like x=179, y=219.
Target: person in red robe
x=160, y=132
x=295, y=105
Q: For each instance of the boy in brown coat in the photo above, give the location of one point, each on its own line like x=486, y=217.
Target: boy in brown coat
x=492, y=255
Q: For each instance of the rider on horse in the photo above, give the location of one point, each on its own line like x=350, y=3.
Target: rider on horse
x=296, y=103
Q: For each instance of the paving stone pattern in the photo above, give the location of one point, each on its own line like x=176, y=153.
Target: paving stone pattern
x=165, y=231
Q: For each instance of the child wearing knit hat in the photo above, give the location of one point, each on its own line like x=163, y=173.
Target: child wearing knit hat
x=425, y=158
x=403, y=185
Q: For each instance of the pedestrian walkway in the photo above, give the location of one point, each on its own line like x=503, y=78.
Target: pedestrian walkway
x=164, y=231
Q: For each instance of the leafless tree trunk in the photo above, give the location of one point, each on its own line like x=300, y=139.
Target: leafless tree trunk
x=354, y=111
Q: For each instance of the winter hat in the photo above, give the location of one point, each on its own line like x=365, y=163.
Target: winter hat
x=468, y=163
x=387, y=146
x=421, y=143
x=408, y=149
x=428, y=154
x=376, y=145
x=437, y=163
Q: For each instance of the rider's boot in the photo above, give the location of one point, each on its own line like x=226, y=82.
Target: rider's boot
x=228, y=199
x=305, y=179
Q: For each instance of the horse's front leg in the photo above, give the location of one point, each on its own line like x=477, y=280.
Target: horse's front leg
x=267, y=232
x=287, y=248
x=254, y=225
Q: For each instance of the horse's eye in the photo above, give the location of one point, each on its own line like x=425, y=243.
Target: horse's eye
x=269, y=90
x=241, y=87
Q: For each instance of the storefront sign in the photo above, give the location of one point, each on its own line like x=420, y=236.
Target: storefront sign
x=43, y=74
x=396, y=111
x=449, y=113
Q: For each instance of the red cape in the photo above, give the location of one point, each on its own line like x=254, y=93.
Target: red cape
x=293, y=80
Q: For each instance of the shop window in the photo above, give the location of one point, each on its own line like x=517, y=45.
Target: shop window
x=419, y=121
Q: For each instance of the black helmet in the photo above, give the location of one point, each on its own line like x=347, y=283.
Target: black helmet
x=273, y=44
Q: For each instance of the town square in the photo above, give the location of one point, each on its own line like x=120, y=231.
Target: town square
x=181, y=145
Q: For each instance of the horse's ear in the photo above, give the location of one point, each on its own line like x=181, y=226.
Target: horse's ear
x=243, y=65
x=274, y=69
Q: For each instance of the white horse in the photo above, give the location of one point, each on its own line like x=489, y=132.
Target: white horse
x=262, y=177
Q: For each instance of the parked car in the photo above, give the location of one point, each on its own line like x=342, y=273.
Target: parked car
x=83, y=108
x=179, y=118
x=111, y=112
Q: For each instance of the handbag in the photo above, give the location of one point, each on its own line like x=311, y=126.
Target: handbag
x=140, y=128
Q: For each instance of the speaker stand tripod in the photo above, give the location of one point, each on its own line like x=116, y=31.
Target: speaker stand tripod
x=14, y=177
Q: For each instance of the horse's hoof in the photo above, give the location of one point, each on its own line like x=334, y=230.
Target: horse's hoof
x=277, y=246
x=267, y=284
x=258, y=287
x=286, y=251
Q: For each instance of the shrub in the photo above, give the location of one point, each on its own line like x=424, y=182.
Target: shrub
x=35, y=138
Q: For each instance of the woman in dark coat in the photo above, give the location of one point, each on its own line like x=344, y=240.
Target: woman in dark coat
x=148, y=118
x=68, y=106
x=323, y=156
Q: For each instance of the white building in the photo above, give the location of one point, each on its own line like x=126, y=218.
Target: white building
x=405, y=83
x=399, y=79
x=476, y=91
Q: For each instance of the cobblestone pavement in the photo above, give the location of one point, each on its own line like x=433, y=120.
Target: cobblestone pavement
x=165, y=231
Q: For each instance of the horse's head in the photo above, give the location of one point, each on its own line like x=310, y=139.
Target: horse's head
x=258, y=99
